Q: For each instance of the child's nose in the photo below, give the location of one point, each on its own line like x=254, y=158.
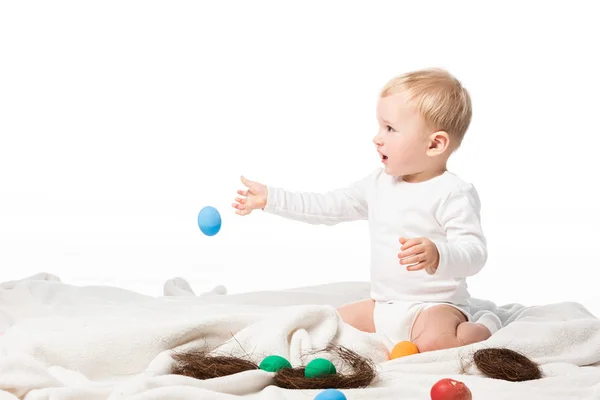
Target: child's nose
x=377, y=140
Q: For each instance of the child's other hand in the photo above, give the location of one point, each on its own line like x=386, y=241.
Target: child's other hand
x=419, y=253
x=254, y=197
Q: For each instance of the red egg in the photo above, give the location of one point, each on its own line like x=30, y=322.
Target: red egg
x=449, y=389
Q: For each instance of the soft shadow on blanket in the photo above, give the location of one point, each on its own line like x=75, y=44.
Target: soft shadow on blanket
x=65, y=342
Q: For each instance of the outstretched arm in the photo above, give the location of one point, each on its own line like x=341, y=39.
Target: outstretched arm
x=341, y=205
x=330, y=208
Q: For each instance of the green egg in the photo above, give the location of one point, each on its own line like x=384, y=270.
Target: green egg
x=319, y=367
x=274, y=363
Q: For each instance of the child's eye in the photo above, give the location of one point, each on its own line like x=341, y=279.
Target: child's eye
x=389, y=128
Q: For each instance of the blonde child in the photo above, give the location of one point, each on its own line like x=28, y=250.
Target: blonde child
x=426, y=235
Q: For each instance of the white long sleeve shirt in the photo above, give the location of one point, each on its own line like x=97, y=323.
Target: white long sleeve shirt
x=444, y=209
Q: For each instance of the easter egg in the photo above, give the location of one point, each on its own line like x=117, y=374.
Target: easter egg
x=274, y=363
x=404, y=348
x=330, y=394
x=209, y=221
x=319, y=367
x=449, y=389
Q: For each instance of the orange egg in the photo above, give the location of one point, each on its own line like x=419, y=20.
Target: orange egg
x=404, y=348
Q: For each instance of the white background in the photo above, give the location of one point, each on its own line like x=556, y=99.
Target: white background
x=120, y=120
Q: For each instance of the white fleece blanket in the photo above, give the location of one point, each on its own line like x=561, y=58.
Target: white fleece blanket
x=63, y=342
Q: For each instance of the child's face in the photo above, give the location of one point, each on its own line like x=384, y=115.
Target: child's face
x=402, y=140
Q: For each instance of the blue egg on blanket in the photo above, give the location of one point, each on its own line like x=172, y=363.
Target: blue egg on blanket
x=209, y=221
x=330, y=394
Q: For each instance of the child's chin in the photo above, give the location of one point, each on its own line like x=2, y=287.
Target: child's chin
x=390, y=171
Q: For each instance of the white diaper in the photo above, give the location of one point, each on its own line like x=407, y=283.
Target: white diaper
x=394, y=320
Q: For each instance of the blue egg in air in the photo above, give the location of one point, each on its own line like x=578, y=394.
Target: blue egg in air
x=209, y=221
x=330, y=394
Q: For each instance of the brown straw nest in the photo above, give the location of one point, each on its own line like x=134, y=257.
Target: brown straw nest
x=495, y=363
x=363, y=373
x=201, y=364
x=506, y=364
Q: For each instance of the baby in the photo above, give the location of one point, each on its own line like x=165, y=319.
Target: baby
x=426, y=235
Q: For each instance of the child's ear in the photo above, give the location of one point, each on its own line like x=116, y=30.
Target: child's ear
x=439, y=142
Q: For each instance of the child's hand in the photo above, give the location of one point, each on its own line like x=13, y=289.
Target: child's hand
x=255, y=197
x=421, y=252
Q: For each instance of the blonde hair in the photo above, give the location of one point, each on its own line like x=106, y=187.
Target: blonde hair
x=439, y=97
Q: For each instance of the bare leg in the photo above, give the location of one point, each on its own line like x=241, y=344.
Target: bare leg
x=359, y=314
x=443, y=327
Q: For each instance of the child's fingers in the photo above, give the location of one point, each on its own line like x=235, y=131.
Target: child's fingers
x=243, y=193
x=240, y=200
x=416, y=267
x=411, y=242
x=411, y=251
x=412, y=259
x=238, y=206
x=246, y=182
x=243, y=211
